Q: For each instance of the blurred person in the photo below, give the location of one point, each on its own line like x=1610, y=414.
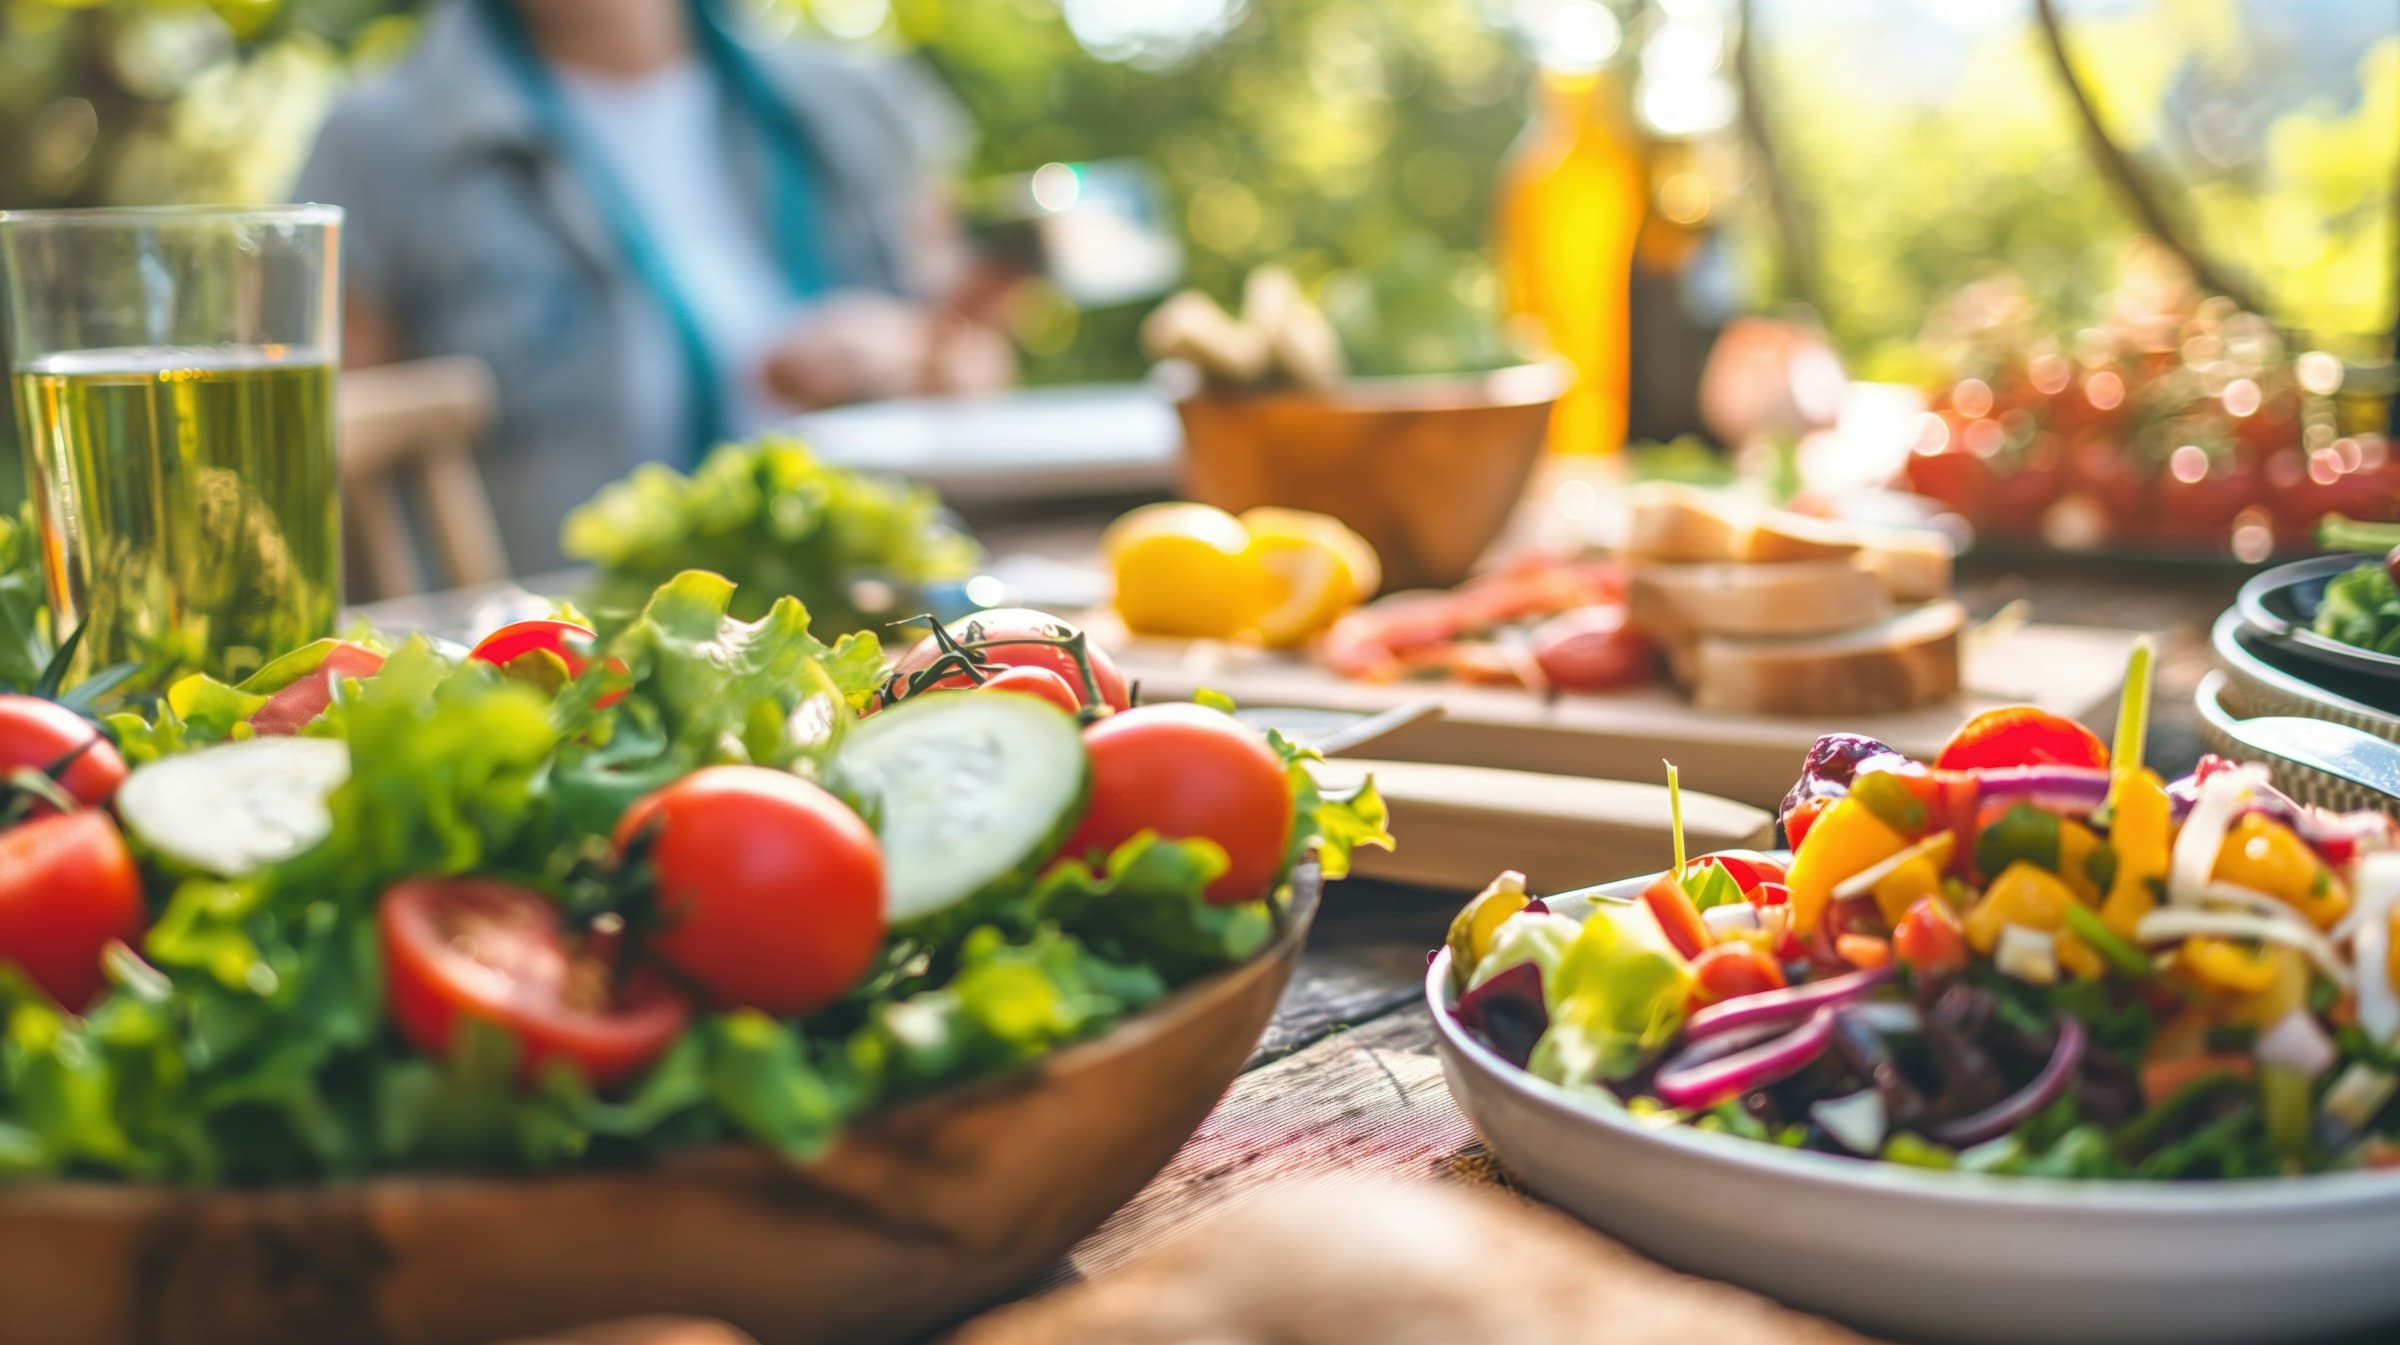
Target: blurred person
x=657, y=236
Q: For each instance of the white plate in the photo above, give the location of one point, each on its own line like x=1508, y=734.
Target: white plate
x=1940, y=1256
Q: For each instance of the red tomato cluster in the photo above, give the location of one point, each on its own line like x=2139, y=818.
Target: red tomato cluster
x=2184, y=423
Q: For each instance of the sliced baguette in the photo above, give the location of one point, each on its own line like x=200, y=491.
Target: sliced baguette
x=1780, y=535
x=1907, y=660
x=1683, y=524
x=1914, y=566
x=1803, y=597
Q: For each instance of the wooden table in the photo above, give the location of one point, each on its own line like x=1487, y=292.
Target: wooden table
x=1346, y=1079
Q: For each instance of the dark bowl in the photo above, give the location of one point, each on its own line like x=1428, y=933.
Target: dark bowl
x=2278, y=607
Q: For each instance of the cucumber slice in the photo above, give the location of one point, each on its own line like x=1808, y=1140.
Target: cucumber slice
x=237, y=807
x=976, y=789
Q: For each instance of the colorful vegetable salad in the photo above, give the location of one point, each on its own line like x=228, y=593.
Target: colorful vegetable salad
x=2027, y=956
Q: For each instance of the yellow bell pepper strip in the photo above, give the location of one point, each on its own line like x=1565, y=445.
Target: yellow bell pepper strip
x=2078, y=848
x=2265, y=856
x=2288, y=990
x=1847, y=840
x=2029, y=895
x=1471, y=932
x=2225, y=966
x=1904, y=879
x=2141, y=823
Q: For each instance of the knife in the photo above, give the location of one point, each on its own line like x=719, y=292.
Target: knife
x=2337, y=750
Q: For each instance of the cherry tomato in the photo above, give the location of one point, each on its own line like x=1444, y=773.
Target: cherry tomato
x=547, y=652
x=1677, y=918
x=1731, y=970
x=68, y=887
x=1928, y=939
x=1802, y=816
x=1592, y=649
x=1189, y=772
x=770, y=891
x=1011, y=637
x=290, y=709
x=38, y=735
x=2020, y=735
x=1747, y=868
x=478, y=948
x=1038, y=682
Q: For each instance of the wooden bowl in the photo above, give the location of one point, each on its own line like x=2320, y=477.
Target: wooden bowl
x=918, y=1215
x=1426, y=468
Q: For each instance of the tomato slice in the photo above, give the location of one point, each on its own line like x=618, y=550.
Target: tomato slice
x=456, y=949
x=1733, y=969
x=67, y=888
x=1929, y=940
x=2020, y=735
x=547, y=652
x=291, y=709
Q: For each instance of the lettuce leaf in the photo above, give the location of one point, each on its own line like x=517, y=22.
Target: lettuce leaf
x=1333, y=827
x=779, y=522
x=1618, y=996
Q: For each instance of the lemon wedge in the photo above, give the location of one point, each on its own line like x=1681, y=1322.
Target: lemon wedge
x=1272, y=525
x=1186, y=570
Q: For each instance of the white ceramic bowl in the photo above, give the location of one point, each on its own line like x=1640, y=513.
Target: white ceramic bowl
x=1941, y=1256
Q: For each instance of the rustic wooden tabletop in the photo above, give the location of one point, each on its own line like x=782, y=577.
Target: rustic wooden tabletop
x=1346, y=1078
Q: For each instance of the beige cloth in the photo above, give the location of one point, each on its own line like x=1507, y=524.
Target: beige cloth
x=1398, y=1263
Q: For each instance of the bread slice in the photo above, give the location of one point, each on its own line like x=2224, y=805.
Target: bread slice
x=1781, y=535
x=1683, y=524
x=1801, y=597
x=1904, y=661
x=1914, y=566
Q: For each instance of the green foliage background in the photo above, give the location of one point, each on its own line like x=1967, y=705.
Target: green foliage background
x=1357, y=141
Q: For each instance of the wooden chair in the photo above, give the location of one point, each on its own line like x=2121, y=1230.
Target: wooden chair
x=419, y=420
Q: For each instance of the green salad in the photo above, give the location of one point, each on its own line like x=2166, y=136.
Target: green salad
x=578, y=901
x=859, y=550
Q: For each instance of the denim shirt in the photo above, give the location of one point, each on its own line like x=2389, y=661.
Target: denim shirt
x=470, y=232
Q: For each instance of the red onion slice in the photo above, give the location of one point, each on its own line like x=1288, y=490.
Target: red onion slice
x=2015, y=1109
x=1690, y=1083
x=1777, y=1006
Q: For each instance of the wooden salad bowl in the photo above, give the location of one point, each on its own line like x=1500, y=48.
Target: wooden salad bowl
x=917, y=1216
x=1427, y=468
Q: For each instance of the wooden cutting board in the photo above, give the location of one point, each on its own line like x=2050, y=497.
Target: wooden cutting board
x=1457, y=826
x=2070, y=670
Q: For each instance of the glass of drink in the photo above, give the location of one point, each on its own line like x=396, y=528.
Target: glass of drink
x=174, y=379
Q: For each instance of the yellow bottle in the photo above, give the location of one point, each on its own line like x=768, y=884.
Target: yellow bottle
x=1572, y=198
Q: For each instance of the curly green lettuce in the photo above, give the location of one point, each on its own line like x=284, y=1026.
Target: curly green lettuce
x=2361, y=607
x=779, y=522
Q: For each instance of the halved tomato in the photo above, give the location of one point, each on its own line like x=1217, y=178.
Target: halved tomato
x=547, y=652
x=2020, y=735
x=461, y=949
